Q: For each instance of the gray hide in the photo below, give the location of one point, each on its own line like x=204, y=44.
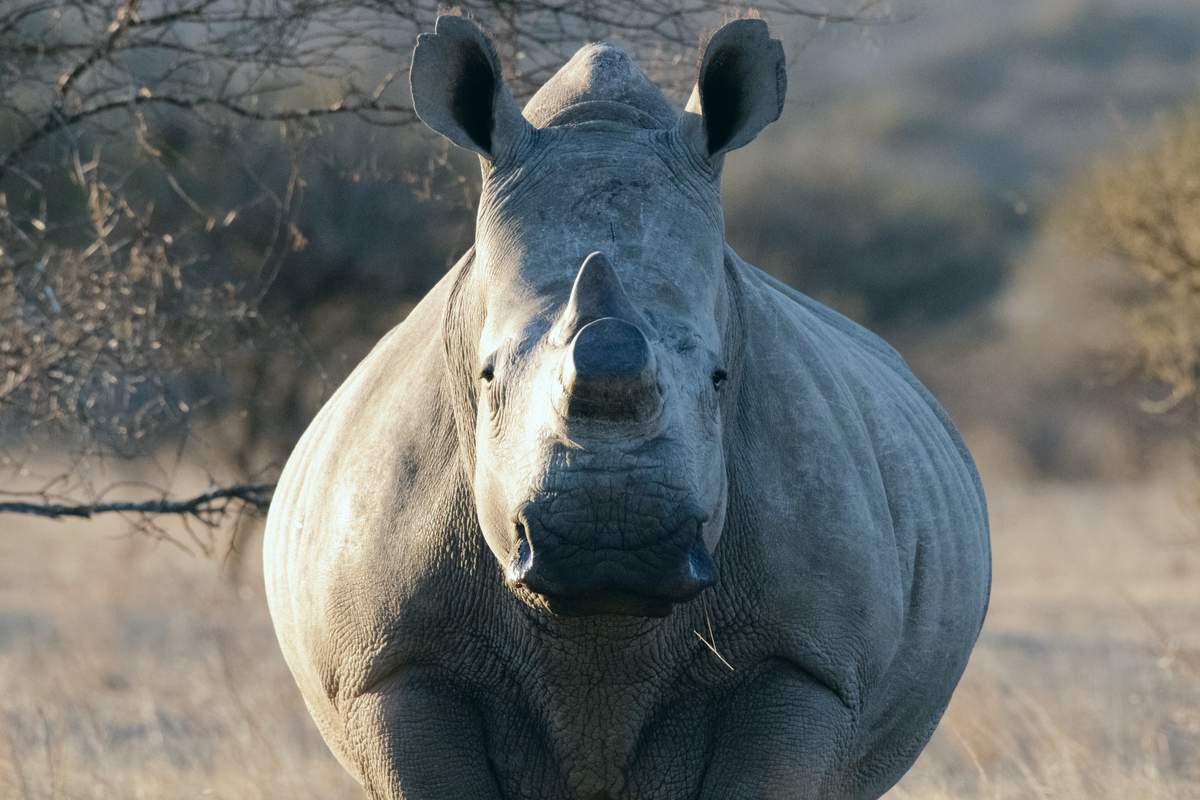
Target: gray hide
x=613, y=514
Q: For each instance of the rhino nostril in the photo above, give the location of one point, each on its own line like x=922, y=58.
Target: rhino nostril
x=700, y=567
x=522, y=560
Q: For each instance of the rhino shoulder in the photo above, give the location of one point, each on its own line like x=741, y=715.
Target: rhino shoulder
x=866, y=500
x=352, y=534
x=851, y=357
x=863, y=356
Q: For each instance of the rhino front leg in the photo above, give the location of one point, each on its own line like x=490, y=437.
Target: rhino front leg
x=781, y=736
x=417, y=738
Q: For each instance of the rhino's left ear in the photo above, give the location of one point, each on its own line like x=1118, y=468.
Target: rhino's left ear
x=458, y=90
x=740, y=88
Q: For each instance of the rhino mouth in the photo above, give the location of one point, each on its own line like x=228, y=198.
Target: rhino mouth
x=613, y=602
x=571, y=580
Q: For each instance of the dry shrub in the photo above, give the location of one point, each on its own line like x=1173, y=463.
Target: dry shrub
x=1142, y=210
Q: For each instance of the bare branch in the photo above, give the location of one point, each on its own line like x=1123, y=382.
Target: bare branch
x=205, y=507
x=58, y=123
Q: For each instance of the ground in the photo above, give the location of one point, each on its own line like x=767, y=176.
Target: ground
x=132, y=669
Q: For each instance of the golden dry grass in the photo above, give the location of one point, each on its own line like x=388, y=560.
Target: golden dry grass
x=132, y=670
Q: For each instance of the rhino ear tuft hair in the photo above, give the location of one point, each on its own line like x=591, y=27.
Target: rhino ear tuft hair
x=458, y=90
x=740, y=88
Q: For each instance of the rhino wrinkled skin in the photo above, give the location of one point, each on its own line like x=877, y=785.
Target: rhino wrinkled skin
x=613, y=514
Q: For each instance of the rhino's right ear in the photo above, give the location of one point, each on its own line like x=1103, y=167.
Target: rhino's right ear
x=458, y=90
x=740, y=88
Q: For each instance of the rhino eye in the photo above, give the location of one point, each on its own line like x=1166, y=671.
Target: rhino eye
x=487, y=373
x=718, y=378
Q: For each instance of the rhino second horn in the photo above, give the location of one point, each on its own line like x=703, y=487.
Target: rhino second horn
x=610, y=373
x=596, y=293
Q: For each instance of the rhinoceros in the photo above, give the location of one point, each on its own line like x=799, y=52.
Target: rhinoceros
x=613, y=513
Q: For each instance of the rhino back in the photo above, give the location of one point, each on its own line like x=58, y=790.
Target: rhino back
x=866, y=514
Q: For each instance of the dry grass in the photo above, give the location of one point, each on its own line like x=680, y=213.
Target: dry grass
x=135, y=670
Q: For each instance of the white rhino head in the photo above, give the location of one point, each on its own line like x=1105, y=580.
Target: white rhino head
x=594, y=337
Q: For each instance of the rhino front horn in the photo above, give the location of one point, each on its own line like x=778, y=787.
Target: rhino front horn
x=609, y=371
x=596, y=293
